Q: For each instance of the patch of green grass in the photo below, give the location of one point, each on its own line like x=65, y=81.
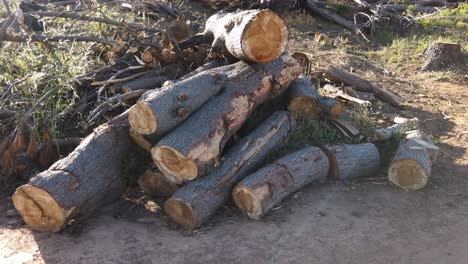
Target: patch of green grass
x=384, y=37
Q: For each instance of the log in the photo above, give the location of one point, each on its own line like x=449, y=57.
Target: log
x=260, y=191
x=351, y=161
x=140, y=140
x=444, y=56
x=387, y=133
x=192, y=149
x=411, y=167
x=335, y=92
x=159, y=111
x=304, y=100
x=249, y=35
x=360, y=84
x=193, y=204
x=332, y=16
x=153, y=183
x=78, y=184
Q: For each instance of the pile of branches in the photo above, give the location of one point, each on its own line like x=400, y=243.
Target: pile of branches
x=189, y=127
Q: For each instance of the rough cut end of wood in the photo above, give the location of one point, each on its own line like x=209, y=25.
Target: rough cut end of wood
x=154, y=183
x=247, y=200
x=140, y=140
x=333, y=173
x=336, y=110
x=142, y=119
x=182, y=213
x=39, y=209
x=175, y=166
x=407, y=174
x=265, y=38
x=303, y=106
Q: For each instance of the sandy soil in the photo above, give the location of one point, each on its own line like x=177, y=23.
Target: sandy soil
x=364, y=221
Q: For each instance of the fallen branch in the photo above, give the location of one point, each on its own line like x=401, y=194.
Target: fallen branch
x=42, y=38
x=382, y=134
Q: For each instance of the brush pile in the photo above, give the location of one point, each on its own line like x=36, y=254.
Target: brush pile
x=189, y=123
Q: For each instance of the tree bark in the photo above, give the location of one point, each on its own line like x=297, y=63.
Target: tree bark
x=192, y=149
x=159, y=111
x=362, y=85
x=78, y=184
x=352, y=161
x=444, y=56
x=249, y=35
x=260, y=191
x=153, y=183
x=387, y=133
x=193, y=204
x=411, y=166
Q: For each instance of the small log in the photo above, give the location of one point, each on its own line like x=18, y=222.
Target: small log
x=192, y=149
x=194, y=203
x=78, y=184
x=387, y=133
x=159, y=111
x=360, y=95
x=444, y=56
x=411, y=166
x=249, y=35
x=352, y=161
x=260, y=191
x=303, y=98
x=346, y=127
x=154, y=183
x=362, y=85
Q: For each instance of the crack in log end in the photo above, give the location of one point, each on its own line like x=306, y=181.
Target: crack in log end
x=265, y=37
x=142, y=119
x=407, y=174
x=334, y=173
x=246, y=200
x=173, y=164
x=182, y=213
x=39, y=209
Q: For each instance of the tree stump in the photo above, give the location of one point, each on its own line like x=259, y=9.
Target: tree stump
x=444, y=56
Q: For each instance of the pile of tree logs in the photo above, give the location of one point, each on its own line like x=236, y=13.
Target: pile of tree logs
x=187, y=123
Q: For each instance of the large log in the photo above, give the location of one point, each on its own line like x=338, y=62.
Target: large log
x=78, y=184
x=411, y=166
x=249, y=35
x=260, y=191
x=304, y=100
x=192, y=149
x=153, y=183
x=363, y=85
x=193, y=204
x=352, y=161
x=159, y=111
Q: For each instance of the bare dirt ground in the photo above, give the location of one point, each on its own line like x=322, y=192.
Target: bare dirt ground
x=364, y=221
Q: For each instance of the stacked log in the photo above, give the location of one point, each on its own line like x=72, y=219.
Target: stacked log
x=259, y=192
x=412, y=164
x=154, y=183
x=78, y=184
x=192, y=150
x=305, y=100
x=193, y=204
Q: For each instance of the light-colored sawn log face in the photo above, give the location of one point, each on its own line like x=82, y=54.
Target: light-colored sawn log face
x=194, y=203
x=260, y=191
x=249, y=35
x=193, y=148
x=411, y=167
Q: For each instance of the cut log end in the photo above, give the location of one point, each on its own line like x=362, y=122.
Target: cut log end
x=39, y=209
x=154, y=183
x=142, y=119
x=303, y=106
x=265, y=38
x=174, y=165
x=182, y=213
x=407, y=174
x=247, y=200
x=140, y=140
